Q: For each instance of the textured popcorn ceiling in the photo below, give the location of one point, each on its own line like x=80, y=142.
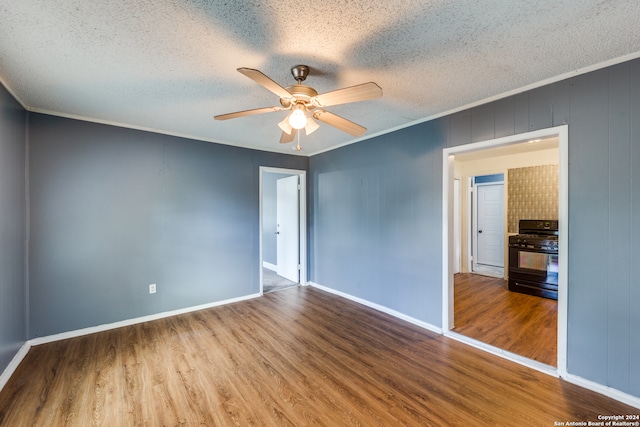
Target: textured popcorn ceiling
x=170, y=65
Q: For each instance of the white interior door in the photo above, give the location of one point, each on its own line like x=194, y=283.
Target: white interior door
x=287, y=228
x=490, y=226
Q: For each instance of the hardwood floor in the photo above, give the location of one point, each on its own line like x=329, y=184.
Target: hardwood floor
x=485, y=310
x=295, y=357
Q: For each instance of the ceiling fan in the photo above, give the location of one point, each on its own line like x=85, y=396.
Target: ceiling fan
x=306, y=104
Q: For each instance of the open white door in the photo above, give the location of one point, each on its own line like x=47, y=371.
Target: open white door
x=287, y=228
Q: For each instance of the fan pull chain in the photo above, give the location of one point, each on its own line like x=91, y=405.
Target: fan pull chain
x=298, y=146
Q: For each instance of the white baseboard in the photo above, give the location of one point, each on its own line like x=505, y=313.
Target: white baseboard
x=381, y=308
x=604, y=390
x=129, y=322
x=269, y=266
x=13, y=365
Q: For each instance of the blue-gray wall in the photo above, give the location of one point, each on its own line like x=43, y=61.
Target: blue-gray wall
x=13, y=317
x=376, y=224
x=114, y=210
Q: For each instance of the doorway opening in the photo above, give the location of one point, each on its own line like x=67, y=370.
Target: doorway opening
x=513, y=145
x=283, y=229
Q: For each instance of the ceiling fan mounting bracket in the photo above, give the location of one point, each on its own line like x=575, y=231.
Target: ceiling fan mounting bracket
x=300, y=72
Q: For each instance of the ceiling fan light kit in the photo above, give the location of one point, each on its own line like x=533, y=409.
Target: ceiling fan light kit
x=303, y=102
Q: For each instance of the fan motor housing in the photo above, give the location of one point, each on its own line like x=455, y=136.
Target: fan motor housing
x=302, y=94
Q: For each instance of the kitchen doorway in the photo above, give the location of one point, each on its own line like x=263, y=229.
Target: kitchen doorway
x=500, y=147
x=283, y=229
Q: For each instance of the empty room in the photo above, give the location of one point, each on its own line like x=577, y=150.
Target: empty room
x=264, y=213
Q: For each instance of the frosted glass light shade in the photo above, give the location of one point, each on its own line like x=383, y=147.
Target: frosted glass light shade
x=298, y=119
x=285, y=126
x=311, y=126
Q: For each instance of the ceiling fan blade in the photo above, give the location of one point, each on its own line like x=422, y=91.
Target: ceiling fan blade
x=356, y=93
x=339, y=123
x=285, y=137
x=266, y=82
x=247, y=113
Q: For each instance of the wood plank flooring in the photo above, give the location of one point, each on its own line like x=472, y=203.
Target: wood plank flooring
x=485, y=310
x=295, y=357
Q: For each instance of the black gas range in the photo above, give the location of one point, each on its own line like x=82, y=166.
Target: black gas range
x=533, y=258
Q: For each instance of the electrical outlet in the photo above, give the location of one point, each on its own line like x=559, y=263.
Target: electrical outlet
x=152, y=288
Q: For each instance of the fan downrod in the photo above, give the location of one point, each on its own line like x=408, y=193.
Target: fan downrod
x=300, y=72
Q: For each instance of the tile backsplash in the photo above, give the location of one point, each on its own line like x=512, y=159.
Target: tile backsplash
x=533, y=194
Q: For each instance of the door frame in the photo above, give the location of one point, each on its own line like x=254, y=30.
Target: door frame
x=562, y=133
x=302, y=212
